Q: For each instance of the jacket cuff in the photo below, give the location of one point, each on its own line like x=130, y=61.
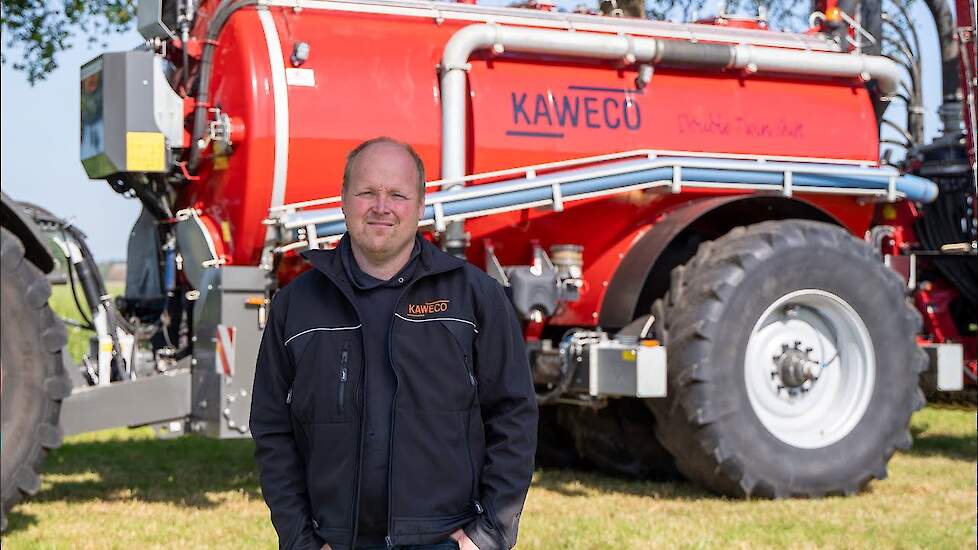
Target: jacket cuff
x=483, y=534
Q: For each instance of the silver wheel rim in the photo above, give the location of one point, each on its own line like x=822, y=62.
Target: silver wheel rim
x=818, y=332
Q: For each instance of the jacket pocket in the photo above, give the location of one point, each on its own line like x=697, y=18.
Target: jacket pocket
x=432, y=459
x=326, y=375
x=431, y=364
x=330, y=473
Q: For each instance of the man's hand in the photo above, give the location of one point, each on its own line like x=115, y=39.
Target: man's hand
x=463, y=540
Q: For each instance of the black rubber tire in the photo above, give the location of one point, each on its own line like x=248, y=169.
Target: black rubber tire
x=618, y=439
x=705, y=320
x=555, y=446
x=33, y=376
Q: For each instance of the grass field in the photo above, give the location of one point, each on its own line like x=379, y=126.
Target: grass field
x=122, y=488
x=63, y=303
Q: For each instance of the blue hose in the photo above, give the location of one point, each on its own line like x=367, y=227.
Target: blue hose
x=506, y=193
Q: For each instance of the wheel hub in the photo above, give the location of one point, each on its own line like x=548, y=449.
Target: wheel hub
x=809, y=368
x=794, y=367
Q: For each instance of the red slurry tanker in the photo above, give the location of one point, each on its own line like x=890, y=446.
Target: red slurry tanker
x=716, y=272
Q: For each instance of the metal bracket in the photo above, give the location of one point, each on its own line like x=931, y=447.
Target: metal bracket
x=439, y=217
x=311, y=237
x=677, y=179
x=558, y=198
x=493, y=268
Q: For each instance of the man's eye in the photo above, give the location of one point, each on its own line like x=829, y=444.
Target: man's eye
x=365, y=193
x=399, y=196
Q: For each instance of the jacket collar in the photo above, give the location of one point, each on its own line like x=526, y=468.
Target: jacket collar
x=433, y=260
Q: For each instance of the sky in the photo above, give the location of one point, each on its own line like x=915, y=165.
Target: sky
x=39, y=152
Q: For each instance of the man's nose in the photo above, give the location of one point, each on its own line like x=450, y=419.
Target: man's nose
x=381, y=204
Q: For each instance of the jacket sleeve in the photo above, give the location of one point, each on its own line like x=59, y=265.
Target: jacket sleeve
x=280, y=467
x=509, y=415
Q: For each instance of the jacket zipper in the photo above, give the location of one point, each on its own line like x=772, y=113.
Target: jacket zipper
x=468, y=427
x=356, y=478
x=390, y=448
x=356, y=473
x=344, y=375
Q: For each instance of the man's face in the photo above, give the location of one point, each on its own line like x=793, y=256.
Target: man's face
x=382, y=203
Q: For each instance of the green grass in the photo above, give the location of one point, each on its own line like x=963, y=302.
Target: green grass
x=64, y=305
x=123, y=488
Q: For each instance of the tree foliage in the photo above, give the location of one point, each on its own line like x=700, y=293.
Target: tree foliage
x=37, y=30
x=781, y=14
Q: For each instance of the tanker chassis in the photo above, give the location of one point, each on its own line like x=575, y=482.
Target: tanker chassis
x=715, y=272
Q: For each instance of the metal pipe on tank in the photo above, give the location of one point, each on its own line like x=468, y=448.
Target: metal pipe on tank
x=881, y=69
x=455, y=64
x=631, y=50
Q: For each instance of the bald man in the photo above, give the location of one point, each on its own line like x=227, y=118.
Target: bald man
x=393, y=405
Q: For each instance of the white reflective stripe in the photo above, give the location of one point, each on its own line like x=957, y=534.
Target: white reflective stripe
x=439, y=319
x=280, y=99
x=319, y=328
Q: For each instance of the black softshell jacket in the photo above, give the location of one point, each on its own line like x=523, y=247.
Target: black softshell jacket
x=464, y=420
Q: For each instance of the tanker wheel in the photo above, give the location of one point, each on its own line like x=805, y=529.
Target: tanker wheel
x=793, y=367
x=555, y=445
x=618, y=439
x=32, y=376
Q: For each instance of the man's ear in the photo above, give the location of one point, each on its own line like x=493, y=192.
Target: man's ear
x=421, y=209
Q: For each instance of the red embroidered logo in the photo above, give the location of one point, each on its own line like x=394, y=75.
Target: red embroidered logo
x=435, y=306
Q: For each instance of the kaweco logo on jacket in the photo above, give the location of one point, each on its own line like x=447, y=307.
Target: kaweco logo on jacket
x=435, y=306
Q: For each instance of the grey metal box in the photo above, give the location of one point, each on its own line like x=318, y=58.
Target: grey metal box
x=616, y=369
x=130, y=116
x=945, y=372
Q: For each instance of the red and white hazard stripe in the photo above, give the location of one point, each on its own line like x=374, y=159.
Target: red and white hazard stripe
x=224, y=350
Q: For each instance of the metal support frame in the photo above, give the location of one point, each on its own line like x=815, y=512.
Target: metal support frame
x=127, y=404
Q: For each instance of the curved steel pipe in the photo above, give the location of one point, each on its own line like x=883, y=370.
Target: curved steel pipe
x=631, y=50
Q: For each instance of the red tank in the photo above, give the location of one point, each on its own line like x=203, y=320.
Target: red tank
x=373, y=69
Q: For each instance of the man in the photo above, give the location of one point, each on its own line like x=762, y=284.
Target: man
x=393, y=403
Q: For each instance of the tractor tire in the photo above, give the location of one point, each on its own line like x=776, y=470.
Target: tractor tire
x=32, y=376
x=618, y=439
x=555, y=446
x=793, y=367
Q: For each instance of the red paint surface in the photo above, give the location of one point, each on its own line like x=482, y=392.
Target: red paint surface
x=376, y=75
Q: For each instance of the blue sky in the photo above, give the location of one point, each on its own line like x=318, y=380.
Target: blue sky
x=39, y=139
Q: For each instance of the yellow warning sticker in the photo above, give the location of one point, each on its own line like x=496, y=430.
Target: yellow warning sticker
x=629, y=355
x=145, y=152
x=220, y=162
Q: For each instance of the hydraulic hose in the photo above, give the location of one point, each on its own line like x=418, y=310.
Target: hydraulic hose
x=95, y=293
x=221, y=15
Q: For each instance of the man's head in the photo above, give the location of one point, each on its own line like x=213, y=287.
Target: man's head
x=383, y=197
